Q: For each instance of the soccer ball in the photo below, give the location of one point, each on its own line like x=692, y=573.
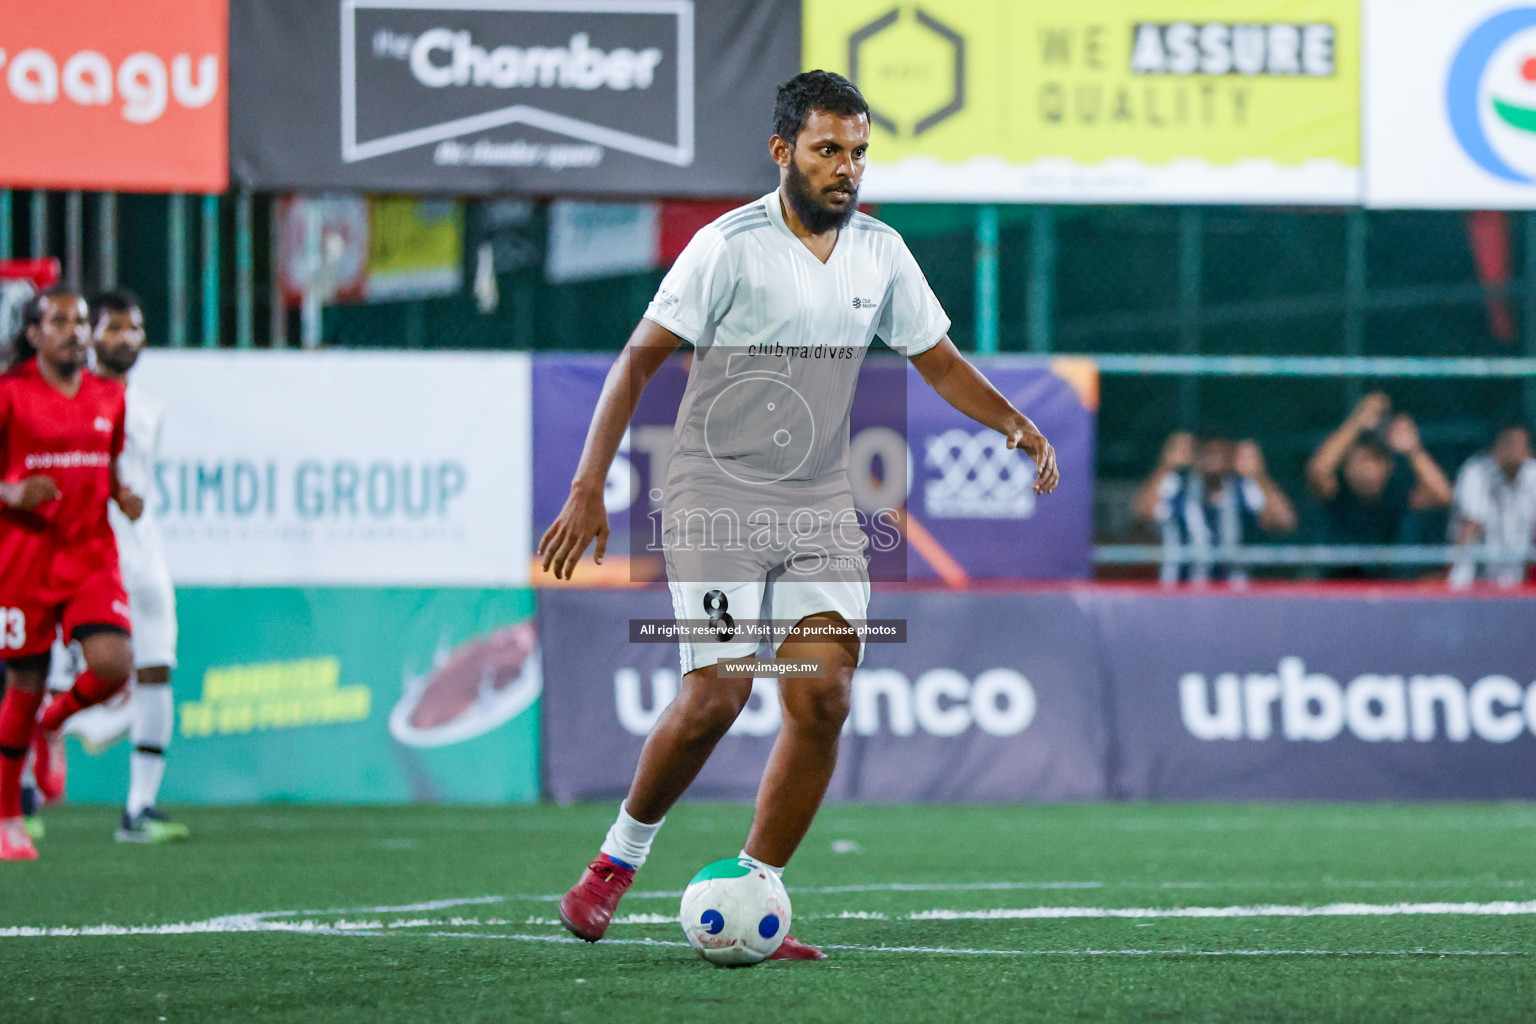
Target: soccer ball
x=735, y=912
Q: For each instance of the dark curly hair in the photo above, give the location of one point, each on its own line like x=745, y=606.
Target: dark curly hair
x=118, y=300
x=814, y=90
x=20, y=349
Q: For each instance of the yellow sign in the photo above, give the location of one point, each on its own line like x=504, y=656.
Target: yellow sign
x=415, y=247
x=1102, y=100
x=239, y=699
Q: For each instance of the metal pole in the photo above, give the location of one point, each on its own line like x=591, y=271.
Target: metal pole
x=245, y=274
x=106, y=239
x=1529, y=389
x=39, y=223
x=5, y=224
x=986, y=279
x=1191, y=258
x=1354, y=298
x=277, y=324
x=74, y=239
x=311, y=312
x=211, y=271
x=1041, y=293
x=176, y=271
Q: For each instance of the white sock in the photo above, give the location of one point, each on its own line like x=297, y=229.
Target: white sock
x=153, y=711
x=770, y=867
x=629, y=841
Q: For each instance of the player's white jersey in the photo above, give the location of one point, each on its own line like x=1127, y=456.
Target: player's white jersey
x=780, y=337
x=140, y=548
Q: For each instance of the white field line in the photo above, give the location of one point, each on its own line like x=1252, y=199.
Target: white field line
x=256, y=923
x=304, y=921
x=571, y=940
x=834, y=890
x=1326, y=883
x=1502, y=908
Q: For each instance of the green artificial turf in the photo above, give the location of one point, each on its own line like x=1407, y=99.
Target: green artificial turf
x=329, y=870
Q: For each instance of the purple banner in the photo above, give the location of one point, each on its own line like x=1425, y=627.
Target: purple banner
x=1340, y=698
x=938, y=718
x=970, y=510
x=972, y=495
x=1092, y=694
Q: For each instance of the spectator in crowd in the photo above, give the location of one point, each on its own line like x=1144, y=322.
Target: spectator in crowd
x=1208, y=496
x=1370, y=474
x=1495, y=509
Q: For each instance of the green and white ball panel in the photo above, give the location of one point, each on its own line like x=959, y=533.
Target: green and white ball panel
x=735, y=912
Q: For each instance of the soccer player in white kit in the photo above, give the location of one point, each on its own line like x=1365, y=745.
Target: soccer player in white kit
x=780, y=299
x=117, y=335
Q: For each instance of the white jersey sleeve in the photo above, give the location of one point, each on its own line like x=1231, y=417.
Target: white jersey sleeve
x=912, y=321
x=1470, y=497
x=696, y=292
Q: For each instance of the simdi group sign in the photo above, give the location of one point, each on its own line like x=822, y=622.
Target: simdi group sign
x=1102, y=100
x=126, y=96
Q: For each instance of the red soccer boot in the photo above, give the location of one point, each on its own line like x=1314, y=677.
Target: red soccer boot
x=15, y=844
x=793, y=949
x=48, y=765
x=589, y=905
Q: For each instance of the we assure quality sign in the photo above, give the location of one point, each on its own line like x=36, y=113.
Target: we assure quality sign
x=1106, y=100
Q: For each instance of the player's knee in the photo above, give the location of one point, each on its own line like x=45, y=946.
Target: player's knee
x=821, y=704
x=114, y=674
x=709, y=709
x=113, y=668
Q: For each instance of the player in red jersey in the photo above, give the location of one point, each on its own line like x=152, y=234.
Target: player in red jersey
x=61, y=430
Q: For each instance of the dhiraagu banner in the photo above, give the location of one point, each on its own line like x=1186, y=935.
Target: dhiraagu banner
x=1187, y=101
x=346, y=696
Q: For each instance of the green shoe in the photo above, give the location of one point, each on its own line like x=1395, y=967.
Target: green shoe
x=150, y=826
x=35, y=826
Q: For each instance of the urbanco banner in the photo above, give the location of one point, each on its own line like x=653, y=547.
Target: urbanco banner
x=1092, y=693
x=342, y=468
x=347, y=695
x=1102, y=101
x=1450, y=104
x=990, y=699
x=1320, y=698
x=124, y=96
x=641, y=98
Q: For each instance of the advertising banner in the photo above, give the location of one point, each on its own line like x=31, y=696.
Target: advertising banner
x=374, y=248
x=968, y=508
x=1102, y=101
x=972, y=509
x=342, y=468
x=129, y=97
x=346, y=696
x=984, y=701
x=1270, y=697
x=1450, y=104
x=536, y=96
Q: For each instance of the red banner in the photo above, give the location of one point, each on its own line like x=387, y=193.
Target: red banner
x=101, y=95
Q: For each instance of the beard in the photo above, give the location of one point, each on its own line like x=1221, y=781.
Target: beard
x=119, y=359
x=807, y=205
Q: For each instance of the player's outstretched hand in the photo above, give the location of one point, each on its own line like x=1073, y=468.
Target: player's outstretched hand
x=131, y=504
x=1035, y=445
x=582, y=519
x=27, y=494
